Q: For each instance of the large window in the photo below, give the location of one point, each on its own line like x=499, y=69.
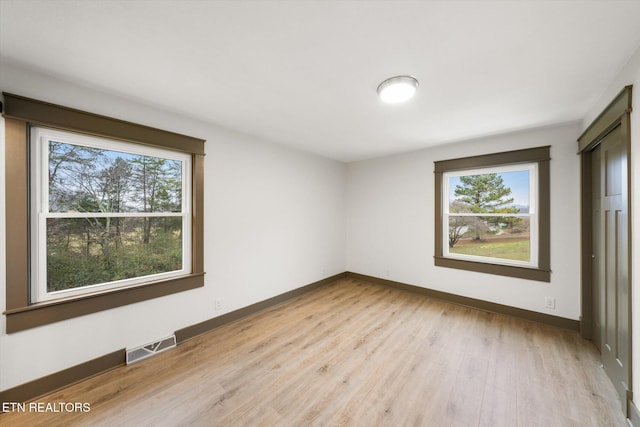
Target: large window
x=100, y=212
x=492, y=213
x=106, y=214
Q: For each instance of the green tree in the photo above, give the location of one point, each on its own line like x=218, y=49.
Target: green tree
x=486, y=193
x=158, y=183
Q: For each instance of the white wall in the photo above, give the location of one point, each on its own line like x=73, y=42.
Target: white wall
x=274, y=221
x=630, y=74
x=390, y=222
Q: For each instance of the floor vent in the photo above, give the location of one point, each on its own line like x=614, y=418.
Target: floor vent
x=147, y=350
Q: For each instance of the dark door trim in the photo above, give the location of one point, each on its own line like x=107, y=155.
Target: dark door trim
x=615, y=114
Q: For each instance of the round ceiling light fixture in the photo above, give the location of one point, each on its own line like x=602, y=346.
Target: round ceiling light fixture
x=395, y=90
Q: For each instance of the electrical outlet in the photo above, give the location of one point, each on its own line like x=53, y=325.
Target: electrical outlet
x=550, y=302
x=217, y=305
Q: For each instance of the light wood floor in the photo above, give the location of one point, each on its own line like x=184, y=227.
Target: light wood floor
x=356, y=354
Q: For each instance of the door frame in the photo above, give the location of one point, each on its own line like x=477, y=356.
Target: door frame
x=617, y=113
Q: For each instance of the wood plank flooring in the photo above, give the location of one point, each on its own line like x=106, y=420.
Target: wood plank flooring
x=355, y=354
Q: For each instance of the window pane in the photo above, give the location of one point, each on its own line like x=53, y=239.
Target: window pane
x=85, y=179
x=502, y=192
x=505, y=237
x=89, y=251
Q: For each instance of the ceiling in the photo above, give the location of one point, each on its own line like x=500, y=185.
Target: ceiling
x=304, y=73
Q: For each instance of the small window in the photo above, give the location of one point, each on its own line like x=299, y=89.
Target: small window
x=107, y=214
x=493, y=213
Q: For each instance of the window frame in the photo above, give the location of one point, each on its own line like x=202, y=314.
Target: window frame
x=21, y=114
x=462, y=166
x=39, y=161
x=532, y=214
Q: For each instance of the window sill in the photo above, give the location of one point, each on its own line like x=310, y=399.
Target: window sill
x=501, y=270
x=22, y=318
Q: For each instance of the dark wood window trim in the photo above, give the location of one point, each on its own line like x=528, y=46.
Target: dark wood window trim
x=539, y=155
x=20, y=114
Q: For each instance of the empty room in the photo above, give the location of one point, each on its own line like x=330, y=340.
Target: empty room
x=319, y=213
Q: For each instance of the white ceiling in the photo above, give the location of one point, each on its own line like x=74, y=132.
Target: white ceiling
x=304, y=73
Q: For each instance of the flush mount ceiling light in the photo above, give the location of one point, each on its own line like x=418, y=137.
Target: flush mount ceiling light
x=397, y=89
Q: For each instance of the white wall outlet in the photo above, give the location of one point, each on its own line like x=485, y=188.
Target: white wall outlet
x=550, y=302
x=217, y=305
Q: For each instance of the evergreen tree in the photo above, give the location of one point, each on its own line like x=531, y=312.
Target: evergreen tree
x=486, y=193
